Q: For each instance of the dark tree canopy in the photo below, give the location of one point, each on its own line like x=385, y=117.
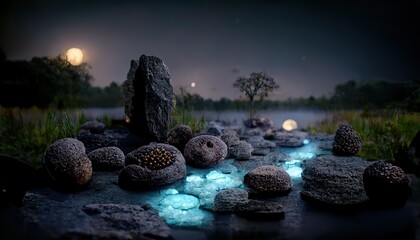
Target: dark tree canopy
x=256, y=85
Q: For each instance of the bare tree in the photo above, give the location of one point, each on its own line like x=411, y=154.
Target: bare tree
x=256, y=85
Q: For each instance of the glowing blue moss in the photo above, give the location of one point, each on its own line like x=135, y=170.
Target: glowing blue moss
x=301, y=155
x=180, y=201
x=295, y=172
x=169, y=191
x=306, y=141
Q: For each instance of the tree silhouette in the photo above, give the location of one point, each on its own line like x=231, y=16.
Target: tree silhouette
x=256, y=85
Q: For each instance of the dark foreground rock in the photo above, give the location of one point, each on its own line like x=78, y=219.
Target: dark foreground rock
x=93, y=141
x=93, y=126
x=268, y=180
x=386, y=185
x=205, y=151
x=335, y=181
x=409, y=159
x=179, y=136
x=347, y=141
x=148, y=97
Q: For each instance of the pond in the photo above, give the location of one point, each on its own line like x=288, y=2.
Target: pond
x=303, y=117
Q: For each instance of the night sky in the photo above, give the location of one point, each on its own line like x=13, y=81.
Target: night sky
x=307, y=48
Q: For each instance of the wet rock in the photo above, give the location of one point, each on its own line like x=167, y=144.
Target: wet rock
x=121, y=221
x=268, y=180
x=67, y=163
x=347, y=141
x=93, y=126
x=289, y=139
x=334, y=181
x=151, y=166
x=260, y=145
x=107, y=158
x=179, y=136
x=241, y=151
x=147, y=98
x=230, y=200
x=386, y=185
x=205, y=151
x=409, y=159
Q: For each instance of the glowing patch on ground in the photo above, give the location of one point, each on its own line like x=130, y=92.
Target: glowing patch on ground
x=294, y=171
x=306, y=141
x=301, y=155
x=180, y=201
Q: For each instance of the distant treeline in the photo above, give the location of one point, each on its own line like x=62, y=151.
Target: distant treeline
x=53, y=82
x=350, y=95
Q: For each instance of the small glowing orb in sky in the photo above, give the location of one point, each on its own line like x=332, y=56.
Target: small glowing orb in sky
x=289, y=125
x=193, y=84
x=74, y=56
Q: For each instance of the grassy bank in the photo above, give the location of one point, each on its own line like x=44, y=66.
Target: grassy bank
x=25, y=134
x=382, y=132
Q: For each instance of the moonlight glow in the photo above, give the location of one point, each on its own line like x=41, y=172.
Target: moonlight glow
x=74, y=56
x=289, y=125
x=193, y=85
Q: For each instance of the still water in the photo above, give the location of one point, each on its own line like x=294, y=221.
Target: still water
x=303, y=118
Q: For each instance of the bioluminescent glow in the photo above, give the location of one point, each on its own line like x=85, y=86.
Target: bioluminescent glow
x=301, y=155
x=180, y=201
x=289, y=125
x=206, y=188
x=294, y=172
x=306, y=141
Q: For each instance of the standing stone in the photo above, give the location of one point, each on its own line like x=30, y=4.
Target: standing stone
x=148, y=97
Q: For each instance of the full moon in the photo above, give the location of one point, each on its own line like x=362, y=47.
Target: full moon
x=193, y=85
x=74, y=56
x=289, y=125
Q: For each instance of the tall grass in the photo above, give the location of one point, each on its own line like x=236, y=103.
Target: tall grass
x=26, y=136
x=383, y=133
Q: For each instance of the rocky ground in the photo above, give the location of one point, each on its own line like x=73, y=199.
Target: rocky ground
x=327, y=202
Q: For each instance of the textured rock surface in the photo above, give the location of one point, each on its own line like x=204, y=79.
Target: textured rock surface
x=205, y=151
x=347, y=141
x=260, y=122
x=289, y=139
x=107, y=158
x=148, y=98
x=152, y=166
x=67, y=162
x=229, y=200
x=334, y=181
x=230, y=138
x=93, y=126
x=260, y=145
x=94, y=141
x=122, y=221
x=268, y=179
x=386, y=185
x=179, y=136
x=241, y=151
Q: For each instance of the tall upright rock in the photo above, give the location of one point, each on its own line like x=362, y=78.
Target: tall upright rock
x=148, y=97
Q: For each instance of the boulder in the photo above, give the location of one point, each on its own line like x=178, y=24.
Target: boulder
x=230, y=138
x=347, y=141
x=205, y=151
x=121, y=221
x=152, y=166
x=260, y=145
x=229, y=200
x=258, y=122
x=148, y=95
x=386, y=185
x=289, y=139
x=107, y=158
x=334, y=181
x=94, y=141
x=179, y=136
x=67, y=163
x=93, y=126
x=241, y=151
x=268, y=180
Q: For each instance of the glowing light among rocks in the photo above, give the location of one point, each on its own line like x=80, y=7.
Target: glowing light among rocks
x=294, y=172
x=306, y=141
x=180, y=201
x=289, y=125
